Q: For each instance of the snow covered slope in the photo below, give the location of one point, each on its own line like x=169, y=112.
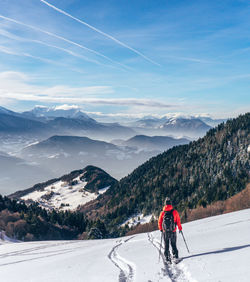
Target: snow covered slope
x=220, y=251
x=69, y=191
x=61, y=195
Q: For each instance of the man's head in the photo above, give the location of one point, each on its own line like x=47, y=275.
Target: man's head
x=167, y=201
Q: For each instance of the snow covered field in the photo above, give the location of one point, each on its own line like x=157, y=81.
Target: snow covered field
x=219, y=246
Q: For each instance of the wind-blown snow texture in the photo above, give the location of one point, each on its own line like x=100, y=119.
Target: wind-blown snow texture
x=220, y=251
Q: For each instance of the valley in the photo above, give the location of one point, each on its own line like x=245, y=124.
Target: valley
x=51, y=142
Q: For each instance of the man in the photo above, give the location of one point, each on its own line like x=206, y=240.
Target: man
x=167, y=222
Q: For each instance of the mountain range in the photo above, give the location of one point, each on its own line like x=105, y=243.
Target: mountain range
x=65, y=153
x=62, y=139
x=191, y=127
x=44, y=121
x=60, y=154
x=54, y=112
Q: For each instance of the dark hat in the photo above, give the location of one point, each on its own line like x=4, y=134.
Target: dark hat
x=167, y=201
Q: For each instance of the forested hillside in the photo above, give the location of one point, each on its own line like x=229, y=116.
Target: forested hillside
x=213, y=168
x=32, y=222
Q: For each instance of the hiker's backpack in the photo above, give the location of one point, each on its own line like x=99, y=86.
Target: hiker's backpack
x=168, y=223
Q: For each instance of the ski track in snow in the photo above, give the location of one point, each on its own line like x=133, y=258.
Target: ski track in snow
x=176, y=273
x=127, y=269
x=32, y=252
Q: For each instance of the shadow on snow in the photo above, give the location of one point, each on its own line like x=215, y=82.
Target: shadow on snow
x=225, y=250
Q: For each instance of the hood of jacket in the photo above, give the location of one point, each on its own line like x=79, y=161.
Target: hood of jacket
x=168, y=208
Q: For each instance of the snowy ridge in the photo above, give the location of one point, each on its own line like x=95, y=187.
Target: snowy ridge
x=64, y=195
x=71, y=111
x=219, y=251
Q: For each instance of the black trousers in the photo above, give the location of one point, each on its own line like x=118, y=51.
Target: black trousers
x=170, y=238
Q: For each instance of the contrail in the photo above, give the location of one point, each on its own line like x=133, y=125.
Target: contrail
x=18, y=38
x=101, y=32
x=73, y=53
x=5, y=50
x=62, y=38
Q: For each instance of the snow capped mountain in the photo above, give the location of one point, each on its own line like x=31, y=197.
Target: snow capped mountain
x=16, y=123
x=190, y=127
x=70, y=120
x=176, y=126
x=69, y=191
x=179, y=123
x=174, y=120
x=65, y=111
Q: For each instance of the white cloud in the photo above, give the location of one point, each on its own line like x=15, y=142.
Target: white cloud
x=13, y=75
x=16, y=86
x=63, y=91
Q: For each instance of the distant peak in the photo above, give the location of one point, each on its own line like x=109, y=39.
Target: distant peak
x=40, y=107
x=66, y=107
x=66, y=111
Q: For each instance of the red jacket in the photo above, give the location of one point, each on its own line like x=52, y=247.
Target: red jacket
x=175, y=214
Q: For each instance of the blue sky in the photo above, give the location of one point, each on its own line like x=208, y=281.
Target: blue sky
x=128, y=58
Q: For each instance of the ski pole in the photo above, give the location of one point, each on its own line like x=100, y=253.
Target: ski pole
x=184, y=240
x=160, y=248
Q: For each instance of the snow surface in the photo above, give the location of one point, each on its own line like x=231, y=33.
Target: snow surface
x=219, y=246
x=61, y=195
x=139, y=218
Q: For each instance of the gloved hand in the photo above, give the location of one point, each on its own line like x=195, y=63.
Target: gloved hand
x=180, y=231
